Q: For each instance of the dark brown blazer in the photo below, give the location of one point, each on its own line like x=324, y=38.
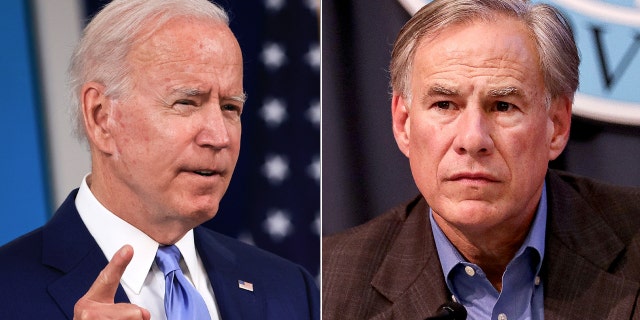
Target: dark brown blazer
x=388, y=268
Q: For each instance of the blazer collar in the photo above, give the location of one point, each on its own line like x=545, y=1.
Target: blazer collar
x=69, y=247
x=410, y=276
x=581, y=248
x=224, y=271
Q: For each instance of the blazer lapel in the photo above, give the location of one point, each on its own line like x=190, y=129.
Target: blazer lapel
x=580, y=252
x=576, y=289
x=581, y=247
x=224, y=272
x=69, y=247
x=410, y=277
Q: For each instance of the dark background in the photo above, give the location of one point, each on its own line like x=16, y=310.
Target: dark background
x=363, y=171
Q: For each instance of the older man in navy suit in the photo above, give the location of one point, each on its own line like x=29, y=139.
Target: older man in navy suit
x=158, y=91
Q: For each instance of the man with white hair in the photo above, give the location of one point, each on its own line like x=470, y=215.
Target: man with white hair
x=482, y=98
x=157, y=87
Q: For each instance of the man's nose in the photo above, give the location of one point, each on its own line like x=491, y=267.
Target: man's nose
x=474, y=132
x=214, y=129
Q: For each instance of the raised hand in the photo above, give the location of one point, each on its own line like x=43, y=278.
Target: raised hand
x=98, y=302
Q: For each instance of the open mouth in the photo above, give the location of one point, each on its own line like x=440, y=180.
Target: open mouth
x=204, y=173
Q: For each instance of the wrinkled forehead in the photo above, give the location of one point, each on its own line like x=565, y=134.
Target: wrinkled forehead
x=503, y=35
x=187, y=56
x=506, y=54
x=188, y=39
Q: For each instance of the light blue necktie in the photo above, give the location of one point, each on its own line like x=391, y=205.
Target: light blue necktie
x=181, y=300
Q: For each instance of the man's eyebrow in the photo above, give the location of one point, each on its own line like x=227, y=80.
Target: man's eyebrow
x=504, y=92
x=438, y=90
x=442, y=90
x=191, y=92
x=242, y=98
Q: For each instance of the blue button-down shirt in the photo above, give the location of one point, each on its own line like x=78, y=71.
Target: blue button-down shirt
x=521, y=296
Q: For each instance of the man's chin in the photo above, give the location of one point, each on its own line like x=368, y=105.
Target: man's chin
x=469, y=212
x=200, y=209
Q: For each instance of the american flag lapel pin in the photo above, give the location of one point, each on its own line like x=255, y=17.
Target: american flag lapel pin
x=245, y=285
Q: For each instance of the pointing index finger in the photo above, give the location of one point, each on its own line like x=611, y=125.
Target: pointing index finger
x=105, y=287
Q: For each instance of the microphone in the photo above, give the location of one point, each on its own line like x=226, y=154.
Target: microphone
x=450, y=311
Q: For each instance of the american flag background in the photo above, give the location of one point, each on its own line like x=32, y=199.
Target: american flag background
x=274, y=197
x=273, y=200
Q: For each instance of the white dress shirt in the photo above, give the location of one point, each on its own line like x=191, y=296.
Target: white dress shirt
x=142, y=281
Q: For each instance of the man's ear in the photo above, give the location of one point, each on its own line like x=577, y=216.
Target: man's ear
x=560, y=115
x=97, y=113
x=401, y=123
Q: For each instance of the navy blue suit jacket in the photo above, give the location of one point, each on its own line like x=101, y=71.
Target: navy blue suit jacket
x=46, y=271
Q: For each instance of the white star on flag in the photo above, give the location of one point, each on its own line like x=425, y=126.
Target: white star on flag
x=246, y=237
x=313, y=113
x=313, y=56
x=273, y=112
x=276, y=168
x=274, y=5
x=314, y=169
x=278, y=225
x=313, y=4
x=273, y=56
x=316, y=224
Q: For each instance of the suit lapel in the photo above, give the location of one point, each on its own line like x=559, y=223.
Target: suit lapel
x=576, y=289
x=224, y=271
x=69, y=247
x=581, y=247
x=410, y=277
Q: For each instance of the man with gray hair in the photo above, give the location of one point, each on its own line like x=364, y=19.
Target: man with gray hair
x=157, y=87
x=482, y=98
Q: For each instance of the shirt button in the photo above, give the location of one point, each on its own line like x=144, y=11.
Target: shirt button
x=469, y=270
x=537, y=281
x=502, y=316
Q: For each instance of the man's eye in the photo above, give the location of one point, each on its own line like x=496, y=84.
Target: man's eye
x=502, y=106
x=232, y=107
x=445, y=105
x=186, y=102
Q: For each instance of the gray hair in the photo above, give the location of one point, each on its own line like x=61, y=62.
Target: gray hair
x=559, y=58
x=107, y=40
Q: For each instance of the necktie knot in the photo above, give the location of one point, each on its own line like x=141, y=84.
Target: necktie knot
x=181, y=299
x=168, y=259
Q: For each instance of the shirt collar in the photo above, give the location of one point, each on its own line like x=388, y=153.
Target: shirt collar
x=450, y=256
x=111, y=233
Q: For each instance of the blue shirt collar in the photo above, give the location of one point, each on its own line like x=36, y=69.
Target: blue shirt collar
x=450, y=256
